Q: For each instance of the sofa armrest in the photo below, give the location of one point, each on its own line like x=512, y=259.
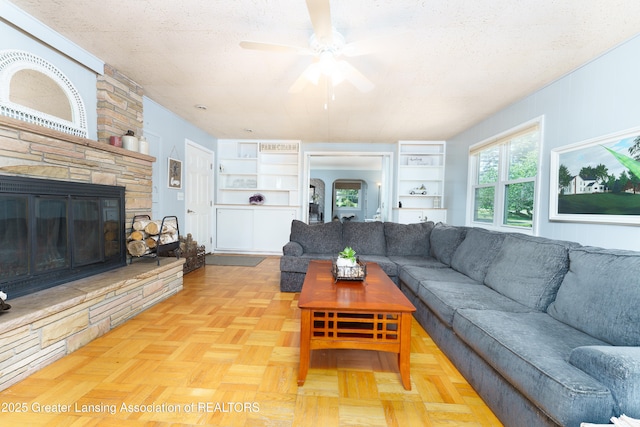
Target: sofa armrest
x=616, y=367
x=292, y=249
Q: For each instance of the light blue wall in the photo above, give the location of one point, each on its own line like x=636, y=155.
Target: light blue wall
x=82, y=78
x=600, y=98
x=167, y=134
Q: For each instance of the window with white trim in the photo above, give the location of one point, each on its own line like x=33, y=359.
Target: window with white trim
x=503, y=179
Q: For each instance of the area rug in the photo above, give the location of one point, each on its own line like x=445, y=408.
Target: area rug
x=233, y=260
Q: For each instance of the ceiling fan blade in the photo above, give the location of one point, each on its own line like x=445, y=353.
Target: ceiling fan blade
x=310, y=75
x=355, y=77
x=320, y=14
x=273, y=47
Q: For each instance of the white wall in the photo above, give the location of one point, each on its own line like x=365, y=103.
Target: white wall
x=600, y=98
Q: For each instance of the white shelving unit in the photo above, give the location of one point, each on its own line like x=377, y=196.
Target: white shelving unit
x=245, y=168
x=270, y=168
x=420, y=191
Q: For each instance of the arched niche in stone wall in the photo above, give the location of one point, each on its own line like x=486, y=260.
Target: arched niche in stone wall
x=35, y=91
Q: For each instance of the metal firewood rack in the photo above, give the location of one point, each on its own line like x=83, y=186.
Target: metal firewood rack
x=160, y=249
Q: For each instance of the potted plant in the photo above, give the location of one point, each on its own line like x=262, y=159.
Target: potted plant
x=347, y=257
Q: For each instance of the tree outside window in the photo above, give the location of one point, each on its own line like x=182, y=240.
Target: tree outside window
x=347, y=198
x=347, y=194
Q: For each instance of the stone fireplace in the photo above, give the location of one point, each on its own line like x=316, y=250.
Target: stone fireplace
x=44, y=326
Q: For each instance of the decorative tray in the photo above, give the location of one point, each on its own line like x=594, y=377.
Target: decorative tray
x=351, y=273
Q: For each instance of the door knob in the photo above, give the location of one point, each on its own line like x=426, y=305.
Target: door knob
x=190, y=211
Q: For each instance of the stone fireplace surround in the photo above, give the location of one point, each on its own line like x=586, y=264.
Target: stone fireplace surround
x=45, y=326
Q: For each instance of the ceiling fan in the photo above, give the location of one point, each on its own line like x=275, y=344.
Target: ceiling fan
x=327, y=46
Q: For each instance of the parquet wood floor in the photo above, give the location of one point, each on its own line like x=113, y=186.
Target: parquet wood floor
x=224, y=351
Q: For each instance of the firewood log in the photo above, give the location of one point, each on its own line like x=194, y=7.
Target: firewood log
x=138, y=248
x=151, y=241
x=138, y=235
x=110, y=236
x=140, y=224
x=169, y=229
x=153, y=227
x=168, y=238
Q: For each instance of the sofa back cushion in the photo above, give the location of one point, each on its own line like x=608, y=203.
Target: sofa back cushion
x=408, y=239
x=529, y=269
x=317, y=238
x=366, y=238
x=600, y=295
x=444, y=240
x=476, y=252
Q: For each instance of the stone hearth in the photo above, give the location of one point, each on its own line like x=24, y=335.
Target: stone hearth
x=47, y=325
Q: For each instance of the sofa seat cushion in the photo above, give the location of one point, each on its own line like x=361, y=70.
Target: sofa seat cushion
x=418, y=261
x=412, y=275
x=529, y=269
x=476, y=252
x=408, y=239
x=444, y=240
x=531, y=350
x=366, y=238
x=445, y=298
x=323, y=238
x=599, y=295
x=299, y=264
x=389, y=267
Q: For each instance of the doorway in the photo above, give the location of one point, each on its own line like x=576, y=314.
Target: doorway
x=375, y=168
x=199, y=184
x=316, y=200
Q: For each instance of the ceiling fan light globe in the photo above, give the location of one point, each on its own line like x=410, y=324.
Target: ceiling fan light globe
x=328, y=63
x=336, y=78
x=313, y=73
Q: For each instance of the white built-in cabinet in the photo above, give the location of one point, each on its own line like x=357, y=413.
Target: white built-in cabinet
x=420, y=189
x=246, y=168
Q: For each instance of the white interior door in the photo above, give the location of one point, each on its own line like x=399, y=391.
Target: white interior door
x=199, y=194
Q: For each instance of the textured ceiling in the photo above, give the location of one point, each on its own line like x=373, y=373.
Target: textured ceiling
x=439, y=66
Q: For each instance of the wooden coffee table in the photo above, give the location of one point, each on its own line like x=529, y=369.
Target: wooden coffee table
x=369, y=315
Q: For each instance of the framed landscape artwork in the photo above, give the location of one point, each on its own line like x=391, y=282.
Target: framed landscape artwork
x=597, y=180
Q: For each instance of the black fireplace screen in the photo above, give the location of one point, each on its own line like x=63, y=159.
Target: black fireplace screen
x=52, y=232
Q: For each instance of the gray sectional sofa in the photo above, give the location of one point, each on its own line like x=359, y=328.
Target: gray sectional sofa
x=546, y=331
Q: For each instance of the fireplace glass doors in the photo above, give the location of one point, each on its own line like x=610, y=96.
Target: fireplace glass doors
x=52, y=232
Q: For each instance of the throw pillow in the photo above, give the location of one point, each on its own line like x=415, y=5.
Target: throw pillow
x=444, y=240
x=529, y=270
x=366, y=238
x=318, y=238
x=476, y=252
x=599, y=295
x=408, y=239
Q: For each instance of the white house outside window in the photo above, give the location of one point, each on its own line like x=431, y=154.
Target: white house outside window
x=503, y=179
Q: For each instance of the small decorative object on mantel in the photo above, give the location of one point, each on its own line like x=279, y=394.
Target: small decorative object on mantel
x=143, y=145
x=256, y=199
x=348, y=267
x=129, y=141
x=3, y=305
x=116, y=141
